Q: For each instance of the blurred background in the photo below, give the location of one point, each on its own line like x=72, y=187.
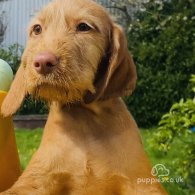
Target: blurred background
x=161, y=38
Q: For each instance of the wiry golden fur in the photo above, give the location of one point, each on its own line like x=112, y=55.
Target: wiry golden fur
x=91, y=143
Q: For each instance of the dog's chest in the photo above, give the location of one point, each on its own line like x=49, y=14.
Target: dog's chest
x=85, y=164
x=86, y=154
x=88, y=176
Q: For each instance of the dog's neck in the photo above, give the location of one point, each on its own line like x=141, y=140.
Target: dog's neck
x=84, y=125
x=100, y=114
x=95, y=108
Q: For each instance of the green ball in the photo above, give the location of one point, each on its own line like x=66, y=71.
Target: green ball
x=6, y=75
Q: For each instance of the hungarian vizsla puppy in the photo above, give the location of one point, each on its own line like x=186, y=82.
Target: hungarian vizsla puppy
x=77, y=60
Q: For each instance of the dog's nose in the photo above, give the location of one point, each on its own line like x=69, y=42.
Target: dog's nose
x=44, y=63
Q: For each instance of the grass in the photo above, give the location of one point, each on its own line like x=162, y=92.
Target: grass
x=28, y=142
x=168, y=160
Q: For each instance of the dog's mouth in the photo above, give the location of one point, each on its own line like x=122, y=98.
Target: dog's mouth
x=50, y=93
x=47, y=91
x=53, y=92
x=55, y=79
x=59, y=86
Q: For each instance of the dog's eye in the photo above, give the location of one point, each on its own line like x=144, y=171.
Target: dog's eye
x=83, y=27
x=37, y=29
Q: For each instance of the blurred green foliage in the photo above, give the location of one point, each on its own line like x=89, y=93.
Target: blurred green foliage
x=12, y=56
x=162, y=40
x=170, y=160
x=31, y=106
x=179, y=123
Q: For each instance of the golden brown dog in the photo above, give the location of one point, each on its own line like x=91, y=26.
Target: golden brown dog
x=77, y=59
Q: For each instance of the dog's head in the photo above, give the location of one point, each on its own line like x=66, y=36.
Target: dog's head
x=74, y=53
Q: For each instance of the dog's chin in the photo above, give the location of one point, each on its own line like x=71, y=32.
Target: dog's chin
x=51, y=93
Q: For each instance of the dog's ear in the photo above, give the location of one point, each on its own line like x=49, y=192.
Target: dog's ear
x=16, y=94
x=116, y=75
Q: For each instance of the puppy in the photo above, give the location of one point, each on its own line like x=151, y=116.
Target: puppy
x=77, y=60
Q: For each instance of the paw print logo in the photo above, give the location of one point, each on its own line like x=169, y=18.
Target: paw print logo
x=160, y=170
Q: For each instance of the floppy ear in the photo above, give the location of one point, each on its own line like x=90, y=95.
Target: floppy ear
x=116, y=75
x=16, y=94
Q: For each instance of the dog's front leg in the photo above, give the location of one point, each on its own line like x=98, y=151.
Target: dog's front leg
x=40, y=179
x=52, y=186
